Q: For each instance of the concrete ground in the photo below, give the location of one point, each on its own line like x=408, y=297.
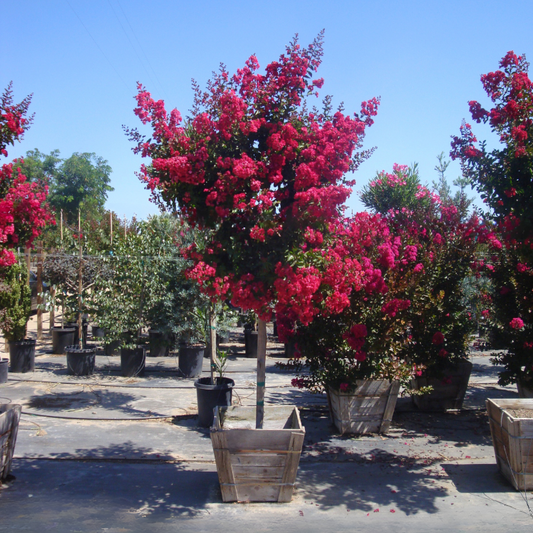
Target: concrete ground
x=112, y=454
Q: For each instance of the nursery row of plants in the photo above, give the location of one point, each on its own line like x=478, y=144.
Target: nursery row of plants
x=256, y=182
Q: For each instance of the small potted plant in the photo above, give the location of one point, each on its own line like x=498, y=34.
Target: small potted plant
x=15, y=310
x=213, y=391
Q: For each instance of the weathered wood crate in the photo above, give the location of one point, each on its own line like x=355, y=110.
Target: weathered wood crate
x=512, y=436
x=9, y=423
x=448, y=393
x=368, y=409
x=257, y=465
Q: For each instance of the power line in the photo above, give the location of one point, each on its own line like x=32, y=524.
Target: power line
x=140, y=46
x=98, y=46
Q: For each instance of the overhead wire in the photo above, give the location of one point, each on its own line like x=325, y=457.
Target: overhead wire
x=98, y=46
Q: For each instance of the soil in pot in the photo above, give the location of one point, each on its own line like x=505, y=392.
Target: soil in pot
x=80, y=361
x=61, y=338
x=133, y=361
x=22, y=355
x=211, y=395
x=190, y=360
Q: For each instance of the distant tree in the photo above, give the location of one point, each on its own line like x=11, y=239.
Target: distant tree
x=79, y=182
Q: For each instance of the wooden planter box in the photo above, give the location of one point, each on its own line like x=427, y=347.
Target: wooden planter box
x=368, y=409
x=448, y=393
x=257, y=465
x=512, y=436
x=9, y=424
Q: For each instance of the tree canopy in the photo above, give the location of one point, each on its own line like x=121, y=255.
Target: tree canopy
x=78, y=182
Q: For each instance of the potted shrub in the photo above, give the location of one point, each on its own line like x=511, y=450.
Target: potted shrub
x=148, y=290
x=15, y=310
x=259, y=174
x=351, y=329
x=445, y=240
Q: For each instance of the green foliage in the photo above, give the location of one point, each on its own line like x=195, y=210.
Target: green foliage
x=147, y=286
x=15, y=301
x=79, y=182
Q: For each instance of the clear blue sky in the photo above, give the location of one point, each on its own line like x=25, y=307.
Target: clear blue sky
x=81, y=60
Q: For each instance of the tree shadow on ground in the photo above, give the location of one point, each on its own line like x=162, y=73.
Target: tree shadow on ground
x=105, y=490
x=82, y=400
x=383, y=482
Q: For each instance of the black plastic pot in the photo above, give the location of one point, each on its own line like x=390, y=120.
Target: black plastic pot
x=113, y=348
x=84, y=327
x=61, y=338
x=22, y=355
x=210, y=396
x=133, y=361
x=159, y=343
x=4, y=364
x=80, y=361
x=98, y=332
x=190, y=360
x=250, y=343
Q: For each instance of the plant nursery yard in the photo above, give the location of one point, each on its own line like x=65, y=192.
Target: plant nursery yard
x=116, y=454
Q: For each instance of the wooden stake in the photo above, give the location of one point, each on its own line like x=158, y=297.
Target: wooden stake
x=80, y=283
x=212, y=340
x=261, y=374
x=39, y=291
x=111, y=225
x=61, y=225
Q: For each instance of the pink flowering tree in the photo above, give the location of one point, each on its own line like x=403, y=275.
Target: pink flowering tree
x=504, y=178
x=254, y=167
x=445, y=246
x=23, y=215
x=23, y=209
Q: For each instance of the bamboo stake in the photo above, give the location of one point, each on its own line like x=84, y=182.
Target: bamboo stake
x=61, y=225
x=111, y=225
x=261, y=374
x=212, y=340
x=39, y=291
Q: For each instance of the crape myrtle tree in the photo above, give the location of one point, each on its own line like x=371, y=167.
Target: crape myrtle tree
x=259, y=171
x=24, y=211
x=504, y=178
x=445, y=242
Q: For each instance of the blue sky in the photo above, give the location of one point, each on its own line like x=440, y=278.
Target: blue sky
x=81, y=60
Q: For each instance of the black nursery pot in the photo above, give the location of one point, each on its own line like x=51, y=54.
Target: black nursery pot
x=133, y=361
x=211, y=395
x=61, y=338
x=80, y=361
x=4, y=364
x=22, y=355
x=191, y=358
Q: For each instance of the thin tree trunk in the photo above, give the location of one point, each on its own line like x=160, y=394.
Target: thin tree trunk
x=261, y=374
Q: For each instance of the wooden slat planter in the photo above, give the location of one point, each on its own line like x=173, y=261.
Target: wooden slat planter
x=448, y=393
x=368, y=409
x=512, y=437
x=9, y=423
x=257, y=465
